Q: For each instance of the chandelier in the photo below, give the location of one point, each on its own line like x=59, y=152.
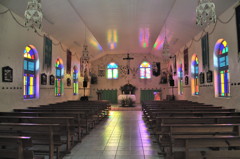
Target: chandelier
x=205, y=12
x=166, y=48
x=33, y=14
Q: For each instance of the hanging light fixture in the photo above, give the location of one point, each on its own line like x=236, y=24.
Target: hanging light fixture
x=33, y=14
x=84, y=60
x=85, y=56
x=166, y=48
x=205, y=12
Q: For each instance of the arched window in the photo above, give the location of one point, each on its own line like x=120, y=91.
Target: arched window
x=195, y=76
x=31, y=73
x=112, y=71
x=145, y=70
x=180, y=80
x=59, y=77
x=75, y=80
x=221, y=72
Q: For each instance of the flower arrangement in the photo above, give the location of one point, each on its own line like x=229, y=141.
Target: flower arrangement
x=127, y=102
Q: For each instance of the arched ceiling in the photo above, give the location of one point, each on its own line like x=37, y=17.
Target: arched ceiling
x=119, y=26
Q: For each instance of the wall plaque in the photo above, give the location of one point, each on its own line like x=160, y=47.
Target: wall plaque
x=51, y=80
x=209, y=76
x=43, y=79
x=7, y=74
x=186, y=80
x=202, y=78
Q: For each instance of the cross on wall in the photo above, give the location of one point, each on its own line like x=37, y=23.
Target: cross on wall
x=128, y=58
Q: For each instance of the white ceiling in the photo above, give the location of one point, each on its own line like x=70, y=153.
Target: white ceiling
x=134, y=25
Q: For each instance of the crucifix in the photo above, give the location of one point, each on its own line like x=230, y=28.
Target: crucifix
x=128, y=62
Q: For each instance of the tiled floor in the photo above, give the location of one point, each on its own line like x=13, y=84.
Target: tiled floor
x=122, y=136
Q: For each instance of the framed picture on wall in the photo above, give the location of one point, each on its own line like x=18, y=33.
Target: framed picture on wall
x=51, y=80
x=7, y=74
x=186, y=80
x=68, y=82
x=202, y=78
x=43, y=79
x=209, y=76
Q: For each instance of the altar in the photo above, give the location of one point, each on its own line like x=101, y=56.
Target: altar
x=126, y=96
x=128, y=91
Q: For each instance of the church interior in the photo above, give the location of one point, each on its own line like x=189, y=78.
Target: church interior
x=120, y=79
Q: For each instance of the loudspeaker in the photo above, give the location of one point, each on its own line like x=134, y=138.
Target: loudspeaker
x=84, y=83
x=171, y=82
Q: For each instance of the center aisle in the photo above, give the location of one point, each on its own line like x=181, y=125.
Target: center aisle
x=123, y=135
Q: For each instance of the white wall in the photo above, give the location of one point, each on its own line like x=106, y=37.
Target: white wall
x=13, y=40
x=229, y=33
x=104, y=83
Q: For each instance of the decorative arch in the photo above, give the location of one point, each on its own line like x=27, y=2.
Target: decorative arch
x=75, y=80
x=145, y=70
x=180, y=79
x=59, y=77
x=112, y=71
x=30, y=73
x=195, y=75
x=221, y=69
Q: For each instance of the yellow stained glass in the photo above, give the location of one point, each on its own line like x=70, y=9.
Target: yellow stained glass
x=28, y=48
x=222, y=82
x=31, y=81
x=224, y=43
x=145, y=64
x=30, y=90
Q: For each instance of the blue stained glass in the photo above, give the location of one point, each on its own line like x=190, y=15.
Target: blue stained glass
x=25, y=65
x=58, y=73
x=222, y=59
x=112, y=65
x=31, y=66
x=221, y=47
x=226, y=82
x=31, y=52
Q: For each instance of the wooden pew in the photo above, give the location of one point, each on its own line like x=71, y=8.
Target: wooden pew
x=15, y=147
x=198, y=120
x=170, y=130
x=65, y=122
x=192, y=114
x=84, y=115
x=36, y=131
x=200, y=147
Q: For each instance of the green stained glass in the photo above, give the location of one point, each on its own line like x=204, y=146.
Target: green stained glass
x=115, y=73
x=224, y=51
x=109, y=74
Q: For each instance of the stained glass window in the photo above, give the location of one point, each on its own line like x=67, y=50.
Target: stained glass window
x=223, y=70
x=180, y=80
x=75, y=80
x=59, y=77
x=145, y=70
x=195, y=75
x=29, y=75
x=112, y=71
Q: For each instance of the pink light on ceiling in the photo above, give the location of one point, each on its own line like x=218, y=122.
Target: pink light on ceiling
x=144, y=37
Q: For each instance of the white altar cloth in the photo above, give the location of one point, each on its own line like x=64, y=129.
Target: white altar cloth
x=124, y=96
